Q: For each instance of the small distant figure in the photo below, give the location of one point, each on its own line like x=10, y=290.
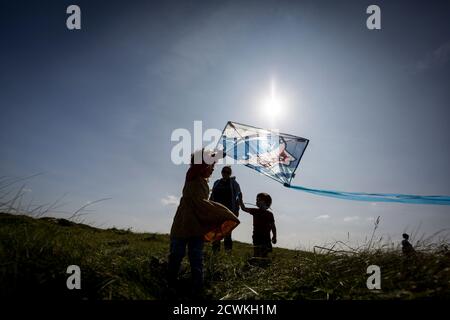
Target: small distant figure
x=263, y=224
x=226, y=191
x=407, y=247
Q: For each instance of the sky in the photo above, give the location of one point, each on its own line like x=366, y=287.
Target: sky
x=93, y=110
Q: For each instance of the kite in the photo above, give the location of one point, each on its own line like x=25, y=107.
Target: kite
x=277, y=156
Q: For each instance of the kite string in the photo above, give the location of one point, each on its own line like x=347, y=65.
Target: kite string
x=377, y=197
x=254, y=204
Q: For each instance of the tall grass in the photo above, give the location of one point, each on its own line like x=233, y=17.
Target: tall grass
x=13, y=200
x=35, y=252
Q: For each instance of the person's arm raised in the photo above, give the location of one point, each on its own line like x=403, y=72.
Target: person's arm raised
x=242, y=205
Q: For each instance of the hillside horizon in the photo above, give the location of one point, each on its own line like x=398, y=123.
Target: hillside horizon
x=121, y=264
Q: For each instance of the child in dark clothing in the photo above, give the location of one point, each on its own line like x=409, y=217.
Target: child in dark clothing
x=263, y=224
x=407, y=247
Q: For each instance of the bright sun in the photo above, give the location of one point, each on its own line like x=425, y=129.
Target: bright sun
x=273, y=104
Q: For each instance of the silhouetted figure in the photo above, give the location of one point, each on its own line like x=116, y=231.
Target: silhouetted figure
x=263, y=224
x=197, y=219
x=226, y=191
x=407, y=247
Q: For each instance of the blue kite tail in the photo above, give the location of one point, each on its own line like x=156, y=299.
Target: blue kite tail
x=377, y=197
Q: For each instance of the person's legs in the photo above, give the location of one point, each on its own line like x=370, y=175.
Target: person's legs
x=256, y=250
x=195, y=247
x=266, y=247
x=176, y=255
x=228, y=243
x=264, y=251
x=216, y=246
x=257, y=245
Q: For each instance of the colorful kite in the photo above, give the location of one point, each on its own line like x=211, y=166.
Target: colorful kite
x=277, y=155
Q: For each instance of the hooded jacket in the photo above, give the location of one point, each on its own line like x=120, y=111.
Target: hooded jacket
x=197, y=216
x=235, y=191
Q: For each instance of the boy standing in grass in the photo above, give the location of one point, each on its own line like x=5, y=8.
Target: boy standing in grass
x=263, y=224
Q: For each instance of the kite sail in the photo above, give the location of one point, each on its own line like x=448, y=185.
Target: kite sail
x=277, y=155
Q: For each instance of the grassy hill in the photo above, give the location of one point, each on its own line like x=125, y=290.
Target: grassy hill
x=120, y=264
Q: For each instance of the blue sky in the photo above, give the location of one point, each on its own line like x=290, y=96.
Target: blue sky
x=94, y=109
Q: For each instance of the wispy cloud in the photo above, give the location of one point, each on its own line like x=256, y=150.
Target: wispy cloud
x=286, y=218
x=170, y=200
x=352, y=218
x=322, y=217
x=437, y=58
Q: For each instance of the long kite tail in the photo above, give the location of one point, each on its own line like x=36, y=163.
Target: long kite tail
x=377, y=197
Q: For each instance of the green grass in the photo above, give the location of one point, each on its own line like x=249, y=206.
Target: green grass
x=120, y=264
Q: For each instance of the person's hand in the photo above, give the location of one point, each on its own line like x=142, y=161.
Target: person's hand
x=274, y=240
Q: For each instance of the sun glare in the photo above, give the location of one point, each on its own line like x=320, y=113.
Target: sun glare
x=273, y=104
